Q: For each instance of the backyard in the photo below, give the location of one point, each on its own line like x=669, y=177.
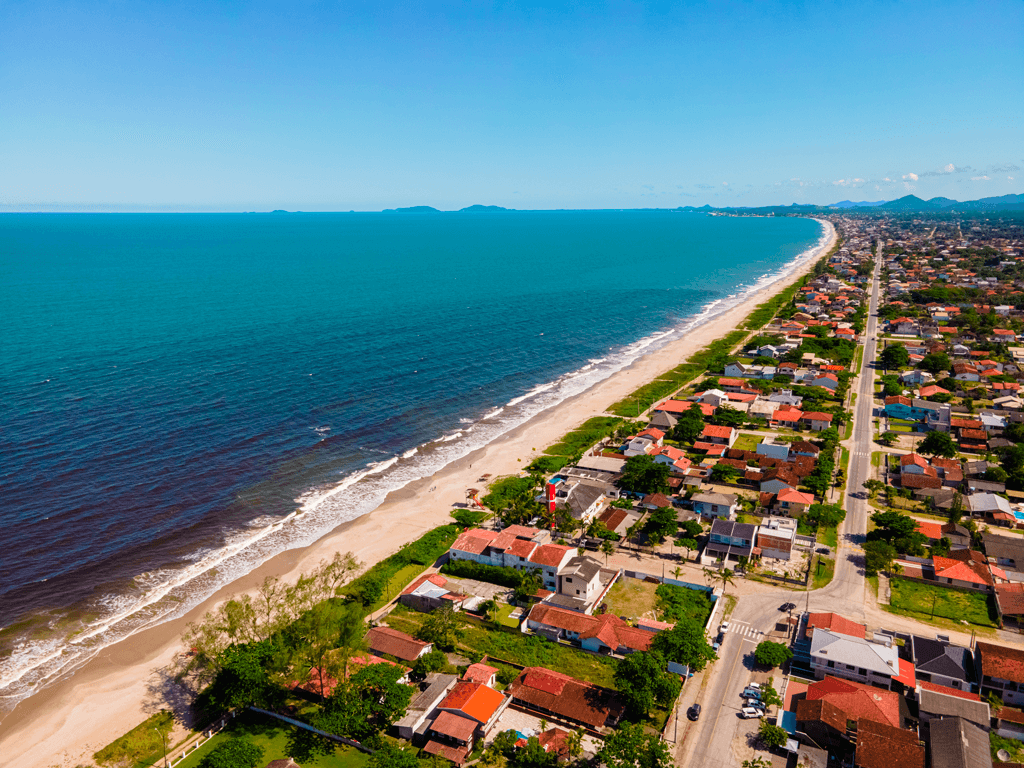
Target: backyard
x=925, y=600
x=280, y=740
x=632, y=598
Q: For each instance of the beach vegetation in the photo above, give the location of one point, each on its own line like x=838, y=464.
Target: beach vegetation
x=145, y=740
x=442, y=628
x=584, y=436
x=514, y=499
x=683, y=604
x=548, y=465
x=369, y=702
x=492, y=574
x=469, y=518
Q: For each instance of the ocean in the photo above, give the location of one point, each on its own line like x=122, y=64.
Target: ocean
x=176, y=389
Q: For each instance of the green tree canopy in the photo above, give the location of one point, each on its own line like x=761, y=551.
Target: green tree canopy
x=234, y=753
x=878, y=556
x=825, y=515
x=643, y=681
x=661, y=524
x=442, y=628
x=724, y=473
x=771, y=735
x=630, y=746
x=935, y=362
x=725, y=416
x=772, y=654
x=689, y=426
x=685, y=644
x=390, y=755
x=938, y=444
x=894, y=356
x=642, y=474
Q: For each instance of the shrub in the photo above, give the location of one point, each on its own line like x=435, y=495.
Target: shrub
x=233, y=753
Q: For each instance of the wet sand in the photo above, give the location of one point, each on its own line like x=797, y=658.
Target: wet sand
x=67, y=722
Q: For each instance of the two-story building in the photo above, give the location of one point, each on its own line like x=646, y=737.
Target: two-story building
x=943, y=663
x=775, y=537
x=719, y=505
x=730, y=540
x=1002, y=671
x=854, y=658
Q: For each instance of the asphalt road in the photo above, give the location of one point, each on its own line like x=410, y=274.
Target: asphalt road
x=709, y=744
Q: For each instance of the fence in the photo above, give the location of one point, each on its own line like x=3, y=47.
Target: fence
x=311, y=729
x=201, y=738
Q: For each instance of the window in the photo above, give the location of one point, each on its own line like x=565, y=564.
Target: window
x=831, y=663
x=862, y=671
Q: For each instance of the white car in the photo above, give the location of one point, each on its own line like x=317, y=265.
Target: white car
x=724, y=628
x=749, y=712
x=755, y=686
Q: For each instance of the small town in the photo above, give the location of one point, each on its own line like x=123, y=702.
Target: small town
x=798, y=548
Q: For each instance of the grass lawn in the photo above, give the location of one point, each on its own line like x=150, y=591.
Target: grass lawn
x=279, y=741
x=517, y=648
x=504, y=609
x=824, y=570
x=844, y=465
x=631, y=597
x=746, y=442
x=828, y=536
x=876, y=458
x=848, y=430
x=922, y=600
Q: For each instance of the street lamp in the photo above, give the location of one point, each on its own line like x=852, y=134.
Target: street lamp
x=163, y=740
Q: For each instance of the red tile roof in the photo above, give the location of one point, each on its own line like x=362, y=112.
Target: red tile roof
x=971, y=571
x=884, y=746
x=474, y=700
x=559, y=694
x=450, y=724
x=394, y=643
x=479, y=673
x=474, y=541
x=1010, y=598
x=1001, y=662
x=433, y=578
x=550, y=554
x=948, y=691
x=816, y=416
x=713, y=430
x=858, y=701
x=836, y=623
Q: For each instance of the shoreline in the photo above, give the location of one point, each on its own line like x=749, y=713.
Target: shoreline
x=127, y=681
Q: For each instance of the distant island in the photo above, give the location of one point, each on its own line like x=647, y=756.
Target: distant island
x=412, y=209
x=429, y=209
x=484, y=209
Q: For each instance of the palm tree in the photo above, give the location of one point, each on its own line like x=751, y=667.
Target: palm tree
x=726, y=577
x=607, y=547
x=710, y=576
x=677, y=572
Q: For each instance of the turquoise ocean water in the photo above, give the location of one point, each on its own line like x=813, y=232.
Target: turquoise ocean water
x=174, y=387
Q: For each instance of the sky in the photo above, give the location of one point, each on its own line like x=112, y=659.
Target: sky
x=363, y=106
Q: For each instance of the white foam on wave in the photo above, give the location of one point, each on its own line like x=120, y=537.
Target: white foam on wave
x=169, y=593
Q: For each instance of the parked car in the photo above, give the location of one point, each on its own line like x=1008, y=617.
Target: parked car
x=694, y=712
x=751, y=693
x=724, y=628
x=756, y=703
x=749, y=712
x=755, y=686
x=715, y=646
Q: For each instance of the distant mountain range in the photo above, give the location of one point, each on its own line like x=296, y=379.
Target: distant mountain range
x=908, y=204
x=428, y=209
x=862, y=204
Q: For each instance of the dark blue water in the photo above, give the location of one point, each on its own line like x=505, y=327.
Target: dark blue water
x=173, y=384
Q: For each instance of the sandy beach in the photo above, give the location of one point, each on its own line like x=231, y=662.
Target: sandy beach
x=65, y=723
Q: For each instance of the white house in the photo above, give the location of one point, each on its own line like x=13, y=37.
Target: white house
x=855, y=658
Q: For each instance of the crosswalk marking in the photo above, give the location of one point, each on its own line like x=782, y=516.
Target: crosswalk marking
x=741, y=628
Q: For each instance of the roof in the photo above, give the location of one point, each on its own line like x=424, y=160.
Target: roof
x=802, y=446
x=1010, y=598
x=607, y=628
x=794, y=496
x=816, y=416
x=957, y=743
x=474, y=541
x=713, y=430
x=733, y=529
x=450, y=724
x=787, y=414
x=474, y=700
x=914, y=459
x=550, y=554
x=971, y=571
x=394, y=643
x=1004, y=547
x=836, y=623
x=944, y=704
x=1002, y=662
x=856, y=701
x=479, y=673
x=724, y=499
x=884, y=746
x=565, y=696
x=938, y=658
x=456, y=754
x=878, y=658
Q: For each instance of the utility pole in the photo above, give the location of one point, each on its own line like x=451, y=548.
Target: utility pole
x=163, y=740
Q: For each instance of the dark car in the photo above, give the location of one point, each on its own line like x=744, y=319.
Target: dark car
x=694, y=712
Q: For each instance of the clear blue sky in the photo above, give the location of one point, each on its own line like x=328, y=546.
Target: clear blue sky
x=338, y=106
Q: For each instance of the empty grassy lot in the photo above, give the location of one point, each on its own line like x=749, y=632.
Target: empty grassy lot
x=631, y=597
x=916, y=600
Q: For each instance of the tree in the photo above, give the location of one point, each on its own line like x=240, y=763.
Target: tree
x=533, y=755
x=642, y=474
x=769, y=696
x=607, y=548
x=878, y=556
x=771, y=735
x=630, y=746
x=772, y=654
x=996, y=474
x=390, y=755
x=938, y=444
x=243, y=677
x=528, y=586
x=825, y=515
x=369, y=702
x=888, y=439
x=689, y=426
x=689, y=545
x=725, y=416
x=661, y=524
x=894, y=356
x=956, y=507
x=724, y=473
x=643, y=681
x=441, y=628
x=434, y=661
x=897, y=529
x=727, y=577
x=873, y=486
x=685, y=644
x=691, y=528
x=234, y=753
x=935, y=362
x=756, y=762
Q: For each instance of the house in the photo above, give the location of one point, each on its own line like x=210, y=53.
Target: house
x=775, y=537
x=1007, y=551
x=834, y=710
x=773, y=448
x=958, y=743
x=804, y=448
x=1002, y=671
x=786, y=417
x=713, y=397
x=676, y=459
x=1010, y=604
x=644, y=443
x=833, y=622
x=827, y=380
x=579, y=584
x=553, y=695
x=584, y=501
x=517, y=547
x=882, y=746
x=481, y=673
x=390, y=642
x=816, y=420
x=916, y=377
x=900, y=407
x=935, y=701
x=990, y=505
x=904, y=326
x=469, y=712
x=429, y=592
x=606, y=633
x=730, y=541
x=718, y=505
x=776, y=479
x=940, y=662
x=966, y=569
x=718, y=435
x=431, y=692
x=965, y=372
x=786, y=397
x=854, y=658
x=958, y=536
x=793, y=503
